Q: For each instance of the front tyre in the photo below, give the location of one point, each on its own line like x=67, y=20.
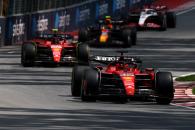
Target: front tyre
x=76, y=81
x=28, y=54
x=126, y=35
x=90, y=84
x=164, y=88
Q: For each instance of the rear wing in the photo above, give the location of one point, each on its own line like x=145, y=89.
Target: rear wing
x=110, y=59
x=113, y=22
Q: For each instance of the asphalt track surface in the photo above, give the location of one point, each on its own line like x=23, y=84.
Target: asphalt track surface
x=39, y=97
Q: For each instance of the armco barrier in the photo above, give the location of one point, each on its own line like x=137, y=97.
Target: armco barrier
x=2, y=31
x=20, y=28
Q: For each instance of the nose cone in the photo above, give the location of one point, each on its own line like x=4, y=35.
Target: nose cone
x=57, y=59
x=56, y=49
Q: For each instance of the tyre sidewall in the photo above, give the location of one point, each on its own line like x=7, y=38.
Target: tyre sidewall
x=164, y=87
x=77, y=74
x=83, y=53
x=28, y=54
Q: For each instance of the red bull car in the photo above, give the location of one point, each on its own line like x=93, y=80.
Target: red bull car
x=109, y=32
x=157, y=17
x=55, y=47
x=121, y=77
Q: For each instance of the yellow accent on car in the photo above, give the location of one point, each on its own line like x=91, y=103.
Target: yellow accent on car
x=103, y=38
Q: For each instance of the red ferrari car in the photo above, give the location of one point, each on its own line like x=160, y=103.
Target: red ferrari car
x=55, y=47
x=119, y=76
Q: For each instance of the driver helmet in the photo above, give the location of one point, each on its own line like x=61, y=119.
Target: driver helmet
x=119, y=66
x=108, y=21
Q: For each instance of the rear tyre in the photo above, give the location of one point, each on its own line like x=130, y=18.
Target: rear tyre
x=76, y=80
x=28, y=54
x=171, y=20
x=83, y=35
x=90, y=84
x=134, y=36
x=163, y=23
x=83, y=53
x=126, y=35
x=164, y=88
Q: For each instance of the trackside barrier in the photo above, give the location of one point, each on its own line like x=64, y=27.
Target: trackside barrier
x=24, y=27
x=2, y=31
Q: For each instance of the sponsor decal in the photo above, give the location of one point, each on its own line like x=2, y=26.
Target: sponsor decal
x=56, y=46
x=104, y=58
x=135, y=1
x=103, y=9
x=64, y=20
x=42, y=24
x=18, y=28
x=113, y=58
x=119, y=4
x=82, y=15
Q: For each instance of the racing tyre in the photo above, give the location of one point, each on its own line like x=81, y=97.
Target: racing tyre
x=164, y=88
x=28, y=54
x=83, y=53
x=76, y=81
x=134, y=36
x=90, y=84
x=126, y=35
x=163, y=23
x=83, y=35
x=171, y=20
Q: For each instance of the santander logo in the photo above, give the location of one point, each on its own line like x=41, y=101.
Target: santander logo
x=56, y=49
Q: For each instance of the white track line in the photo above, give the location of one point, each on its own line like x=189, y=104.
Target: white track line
x=10, y=52
x=184, y=75
x=185, y=11
x=173, y=104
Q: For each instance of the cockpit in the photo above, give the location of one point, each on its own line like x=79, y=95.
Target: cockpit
x=148, y=11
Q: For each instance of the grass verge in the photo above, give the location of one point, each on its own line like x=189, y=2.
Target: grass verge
x=186, y=78
x=193, y=91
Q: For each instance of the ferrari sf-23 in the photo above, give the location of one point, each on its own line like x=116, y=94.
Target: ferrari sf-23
x=121, y=77
x=54, y=47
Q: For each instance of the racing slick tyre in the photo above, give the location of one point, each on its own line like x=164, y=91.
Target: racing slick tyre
x=163, y=23
x=28, y=54
x=76, y=80
x=83, y=53
x=90, y=84
x=83, y=35
x=171, y=20
x=126, y=35
x=164, y=88
x=134, y=36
